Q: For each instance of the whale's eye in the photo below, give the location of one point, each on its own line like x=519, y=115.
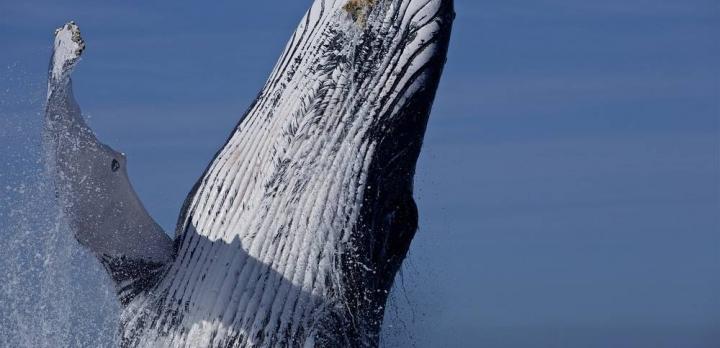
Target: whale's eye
x=115, y=165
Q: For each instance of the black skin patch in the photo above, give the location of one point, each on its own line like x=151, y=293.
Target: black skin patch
x=115, y=165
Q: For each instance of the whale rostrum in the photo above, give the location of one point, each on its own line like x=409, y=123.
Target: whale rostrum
x=294, y=233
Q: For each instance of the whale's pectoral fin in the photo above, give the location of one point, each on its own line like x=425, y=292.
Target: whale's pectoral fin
x=92, y=185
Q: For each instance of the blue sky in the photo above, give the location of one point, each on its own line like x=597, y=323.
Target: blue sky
x=569, y=187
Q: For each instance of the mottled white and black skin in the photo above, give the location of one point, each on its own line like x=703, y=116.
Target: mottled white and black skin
x=293, y=235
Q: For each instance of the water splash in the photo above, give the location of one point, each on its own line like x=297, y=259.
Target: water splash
x=52, y=293
x=412, y=305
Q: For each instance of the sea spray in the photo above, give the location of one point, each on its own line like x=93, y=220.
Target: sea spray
x=52, y=293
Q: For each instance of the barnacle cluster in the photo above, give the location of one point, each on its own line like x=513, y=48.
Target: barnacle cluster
x=359, y=9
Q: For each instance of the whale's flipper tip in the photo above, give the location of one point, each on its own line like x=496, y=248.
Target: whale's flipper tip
x=68, y=48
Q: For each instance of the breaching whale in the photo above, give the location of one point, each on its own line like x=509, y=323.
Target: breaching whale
x=294, y=233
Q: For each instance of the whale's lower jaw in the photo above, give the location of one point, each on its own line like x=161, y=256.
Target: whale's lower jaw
x=293, y=235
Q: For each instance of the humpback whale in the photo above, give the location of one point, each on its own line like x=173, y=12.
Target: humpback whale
x=294, y=233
